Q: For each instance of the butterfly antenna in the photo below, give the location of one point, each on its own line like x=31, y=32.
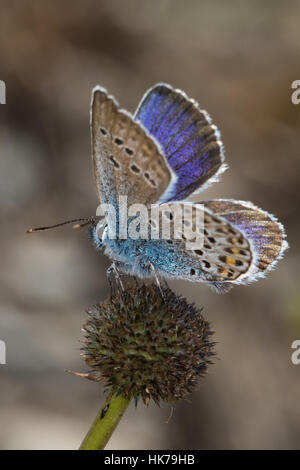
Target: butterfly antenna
x=85, y=220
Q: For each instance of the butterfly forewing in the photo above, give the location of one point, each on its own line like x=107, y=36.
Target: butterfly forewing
x=127, y=161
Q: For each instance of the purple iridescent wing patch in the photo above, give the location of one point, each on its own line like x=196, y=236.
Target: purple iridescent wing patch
x=189, y=140
x=266, y=234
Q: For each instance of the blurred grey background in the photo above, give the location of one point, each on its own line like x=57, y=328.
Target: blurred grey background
x=238, y=59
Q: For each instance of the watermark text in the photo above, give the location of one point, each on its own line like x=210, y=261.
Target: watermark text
x=2, y=92
x=2, y=352
x=295, y=357
x=295, y=96
x=167, y=221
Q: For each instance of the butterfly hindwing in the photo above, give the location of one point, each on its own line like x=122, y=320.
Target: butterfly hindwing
x=190, y=142
x=266, y=234
x=225, y=256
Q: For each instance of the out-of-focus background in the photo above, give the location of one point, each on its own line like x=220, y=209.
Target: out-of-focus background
x=238, y=59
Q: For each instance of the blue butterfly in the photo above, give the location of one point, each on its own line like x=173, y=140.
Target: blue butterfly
x=165, y=154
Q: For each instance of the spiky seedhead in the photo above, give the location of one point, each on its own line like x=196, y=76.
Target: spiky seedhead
x=147, y=346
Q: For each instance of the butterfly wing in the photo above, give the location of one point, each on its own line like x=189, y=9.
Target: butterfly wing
x=224, y=259
x=241, y=243
x=190, y=142
x=266, y=234
x=127, y=160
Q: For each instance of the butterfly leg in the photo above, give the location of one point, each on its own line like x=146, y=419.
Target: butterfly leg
x=221, y=287
x=113, y=269
x=152, y=267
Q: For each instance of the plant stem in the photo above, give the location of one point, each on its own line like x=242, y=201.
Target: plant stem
x=106, y=422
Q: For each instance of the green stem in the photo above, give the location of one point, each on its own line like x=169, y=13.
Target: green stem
x=106, y=422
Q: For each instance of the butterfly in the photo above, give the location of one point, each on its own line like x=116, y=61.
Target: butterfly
x=165, y=154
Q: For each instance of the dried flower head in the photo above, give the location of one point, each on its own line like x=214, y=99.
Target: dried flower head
x=147, y=346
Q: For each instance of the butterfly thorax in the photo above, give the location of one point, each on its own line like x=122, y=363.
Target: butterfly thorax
x=129, y=253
